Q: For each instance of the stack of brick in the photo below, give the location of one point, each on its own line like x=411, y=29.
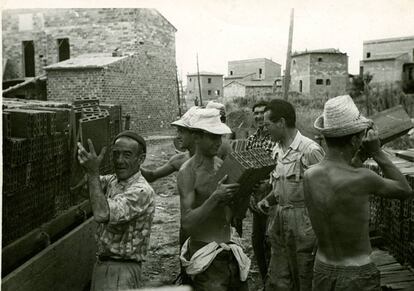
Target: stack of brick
x=36, y=156
x=394, y=219
x=40, y=163
x=246, y=168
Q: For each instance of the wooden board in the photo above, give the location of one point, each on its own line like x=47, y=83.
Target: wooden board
x=406, y=155
x=394, y=276
x=392, y=123
x=64, y=265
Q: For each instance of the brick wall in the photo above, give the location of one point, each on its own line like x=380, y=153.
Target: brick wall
x=143, y=84
x=66, y=85
x=88, y=30
x=146, y=88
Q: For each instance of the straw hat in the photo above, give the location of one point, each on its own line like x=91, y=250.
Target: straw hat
x=341, y=117
x=184, y=121
x=209, y=120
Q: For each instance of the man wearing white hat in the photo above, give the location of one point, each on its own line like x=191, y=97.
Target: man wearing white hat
x=225, y=147
x=337, y=198
x=186, y=142
x=209, y=255
x=290, y=233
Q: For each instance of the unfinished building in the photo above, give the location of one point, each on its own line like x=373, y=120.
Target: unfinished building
x=39, y=42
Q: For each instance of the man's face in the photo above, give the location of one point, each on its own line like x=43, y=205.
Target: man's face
x=126, y=157
x=258, y=114
x=275, y=129
x=209, y=144
x=184, y=137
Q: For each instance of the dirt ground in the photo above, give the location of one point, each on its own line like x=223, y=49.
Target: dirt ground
x=162, y=265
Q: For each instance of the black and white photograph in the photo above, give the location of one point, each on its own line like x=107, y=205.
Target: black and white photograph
x=207, y=145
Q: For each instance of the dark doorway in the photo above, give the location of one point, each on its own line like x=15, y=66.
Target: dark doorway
x=29, y=58
x=64, y=49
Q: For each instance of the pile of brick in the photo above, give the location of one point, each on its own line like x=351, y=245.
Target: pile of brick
x=246, y=168
x=39, y=158
x=394, y=219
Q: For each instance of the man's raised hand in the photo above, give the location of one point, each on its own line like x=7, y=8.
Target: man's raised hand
x=89, y=160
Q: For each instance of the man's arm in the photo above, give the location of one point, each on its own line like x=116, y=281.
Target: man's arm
x=168, y=168
x=394, y=184
x=90, y=162
x=192, y=218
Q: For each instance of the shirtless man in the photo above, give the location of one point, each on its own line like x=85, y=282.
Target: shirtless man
x=185, y=139
x=337, y=198
x=204, y=215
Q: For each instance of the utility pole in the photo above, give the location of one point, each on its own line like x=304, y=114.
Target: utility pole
x=288, y=58
x=178, y=92
x=199, y=85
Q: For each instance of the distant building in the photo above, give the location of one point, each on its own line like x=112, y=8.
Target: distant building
x=249, y=89
x=211, y=87
x=252, y=69
x=389, y=61
x=319, y=73
x=145, y=81
x=252, y=78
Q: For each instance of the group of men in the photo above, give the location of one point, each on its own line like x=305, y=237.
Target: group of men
x=310, y=218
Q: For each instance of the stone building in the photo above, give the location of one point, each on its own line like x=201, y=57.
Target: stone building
x=319, y=73
x=35, y=39
x=252, y=69
x=211, y=87
x=390, y=61
x=258, y=89
x=251, y=78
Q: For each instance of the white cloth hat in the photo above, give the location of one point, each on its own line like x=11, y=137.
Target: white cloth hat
x=209, y=120
x=184, y=121
x=341, y=117
x=216, y=105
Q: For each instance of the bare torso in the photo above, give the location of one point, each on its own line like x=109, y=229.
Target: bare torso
x=215, y=227
x=338, y=203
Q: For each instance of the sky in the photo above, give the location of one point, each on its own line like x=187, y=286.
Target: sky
x=224, y=30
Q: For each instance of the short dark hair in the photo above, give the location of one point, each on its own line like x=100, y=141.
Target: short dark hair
x=280, y=108
x=340, y=141
x=260, y=104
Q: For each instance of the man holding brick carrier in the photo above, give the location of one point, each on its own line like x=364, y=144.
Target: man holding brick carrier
x=210, y=255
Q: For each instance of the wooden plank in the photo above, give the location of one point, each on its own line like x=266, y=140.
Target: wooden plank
x=406, y=155
x=392, y=123
x=64, y=265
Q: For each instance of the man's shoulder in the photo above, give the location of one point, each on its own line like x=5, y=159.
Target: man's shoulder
x=188, y=165
x=142, y=185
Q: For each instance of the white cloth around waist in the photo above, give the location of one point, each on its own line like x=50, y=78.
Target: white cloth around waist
x=203, y=258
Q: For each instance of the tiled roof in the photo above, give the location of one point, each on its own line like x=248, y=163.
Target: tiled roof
x=319, y=51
